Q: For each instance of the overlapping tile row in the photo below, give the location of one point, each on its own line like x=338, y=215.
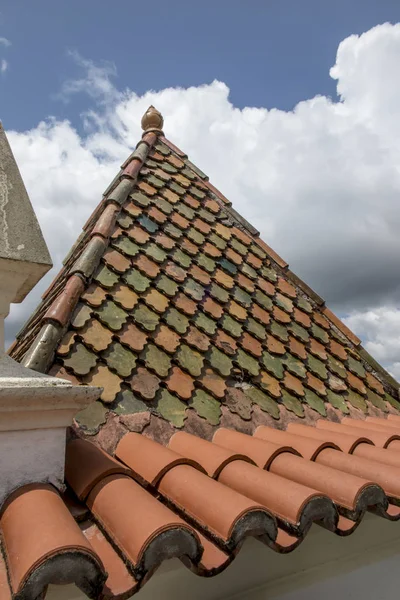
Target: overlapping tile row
x=187, y=309
x=197, y=500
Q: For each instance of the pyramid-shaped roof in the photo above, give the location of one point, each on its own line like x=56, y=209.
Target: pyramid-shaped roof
x=173, y=304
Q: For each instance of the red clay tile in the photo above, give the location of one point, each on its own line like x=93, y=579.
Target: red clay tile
x=267, y=287
x=116, y=260
x=223, y=279
x=320, y=320
x=170, y=195
x=189, y=247
x=280, y=316
x=96, y=336
x=374, y=383
x=301, y=318
x=147, y=189
x=241, y=236
x=338, y=350
x=317, y=349
x=196, y=338
x=156, y=300
x=157, y=215
x=147, y=266
x=212, y=205
x=225, y=342
x=202, y=226
x=145, y=383
x=62, y=307
x=102, y=377
x=176, y=162
x=167, y=339
x=181, y=383
x=316, y=384
x=255, y=262
x=124, y=296
x=185, y=304
x=275, y=346
x=286, y=287
x=106, y=221
x=138, y=234
x=94, y=295
x=297, y=348
x=356, y=383
x=293, y=384
x=224, y=232
x=250, y=344
x=200, y=275
x=179, y=221
x=190, y=201
x=213, y=382
x=212, y=308
x=165, y=241
x=37, y=528
x=66, y=343
x=211, y=250
x=237, y=311
x=133, y=337
x=260, y=314
x=177, y=273
x=245, y=282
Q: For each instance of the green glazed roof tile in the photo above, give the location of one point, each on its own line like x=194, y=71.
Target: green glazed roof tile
x=315, y=402
x=124, y=244
x=172, y=409
x=338, y=401
x=136, y=280
x=81, y=360
x=105, y=277
x=206, y=407
x=146, y=317
x=156, y=360
x=292, y=403
x=247, y=362
x=205, y=324
x=264, y=401
x=129, y=404
x=112, y=315
x=317, y=367
x=190, y=360
x=220, y=361
x=120, y=359
x=273, y=364
x=177, y=320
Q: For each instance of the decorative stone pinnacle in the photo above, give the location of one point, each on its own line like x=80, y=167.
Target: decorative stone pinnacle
x=152, y=119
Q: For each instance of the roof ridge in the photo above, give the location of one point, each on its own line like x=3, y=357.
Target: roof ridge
x=79, y=265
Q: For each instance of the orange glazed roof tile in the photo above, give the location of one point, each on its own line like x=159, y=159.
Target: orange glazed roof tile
x=235, y=403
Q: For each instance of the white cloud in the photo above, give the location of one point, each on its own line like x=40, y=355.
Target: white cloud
x=321, y=182
x=3, y=66
x=5, y=42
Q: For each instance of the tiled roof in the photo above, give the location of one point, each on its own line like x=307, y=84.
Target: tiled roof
x=172, y=302
x=197, y=500
x=217, y=365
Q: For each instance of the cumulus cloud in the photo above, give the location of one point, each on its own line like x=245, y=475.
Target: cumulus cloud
x=4, y=42
x=321, y=182
x=3, y=66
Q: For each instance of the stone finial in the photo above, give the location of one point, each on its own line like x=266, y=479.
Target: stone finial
x=24, y=257
x=152, y=119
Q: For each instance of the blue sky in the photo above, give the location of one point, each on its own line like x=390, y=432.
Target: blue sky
x=270, y=53
x=314, y=162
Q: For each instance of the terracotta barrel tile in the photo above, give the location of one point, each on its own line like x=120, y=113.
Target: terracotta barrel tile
x=386, y=476
x=285, y=499
x=86, y=465
x=384, y=423
x=5, y=592
x=379, y=438
x=36, y=527
x=63, y=306
x=307, y=447
x=342, y=488
x=263, y=453
x=211, y=457
x=106, y=221
x=147, y=535
x=159, y=459
x=119, y=581
x=201, y=498
x=372, y=425
x=385, y=456
x=345, y=442
x=394, y=418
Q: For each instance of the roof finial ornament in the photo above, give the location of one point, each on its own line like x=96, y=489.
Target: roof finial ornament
x=152, y=120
